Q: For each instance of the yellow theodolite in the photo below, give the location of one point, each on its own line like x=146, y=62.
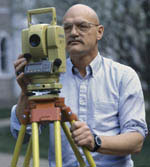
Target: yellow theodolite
x=44, y=47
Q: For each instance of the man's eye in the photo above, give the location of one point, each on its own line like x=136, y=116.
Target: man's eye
x=67, y=27
x=83, y=26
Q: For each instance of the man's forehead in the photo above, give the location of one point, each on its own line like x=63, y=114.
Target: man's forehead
x=75, y=20
x=80, y=13
x=77, y=17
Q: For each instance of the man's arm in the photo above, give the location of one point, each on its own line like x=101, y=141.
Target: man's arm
x=123, y=144
x=17, y=110
x=21, y=105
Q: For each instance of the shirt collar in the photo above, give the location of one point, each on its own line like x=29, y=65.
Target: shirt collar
x=92, y=68
x=96, y=64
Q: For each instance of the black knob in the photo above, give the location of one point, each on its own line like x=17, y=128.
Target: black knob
x=27, y=56
x=57, y=62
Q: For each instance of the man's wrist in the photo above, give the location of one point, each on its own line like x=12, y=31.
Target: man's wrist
x=97, y=142
x=21, y=105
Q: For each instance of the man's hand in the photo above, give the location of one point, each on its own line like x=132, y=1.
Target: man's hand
x=19, y=65
x=82, y=135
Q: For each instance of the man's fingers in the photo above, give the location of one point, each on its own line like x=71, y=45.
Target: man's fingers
x=78, y=130
x=18, y=61
x=76, y=125
x=82, y=135
x=85, y=139
x=19, y=64
x=22, y=79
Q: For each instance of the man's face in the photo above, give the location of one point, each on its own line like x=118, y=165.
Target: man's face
x=81, y=34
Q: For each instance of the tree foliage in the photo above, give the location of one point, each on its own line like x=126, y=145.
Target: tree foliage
x=127, y=35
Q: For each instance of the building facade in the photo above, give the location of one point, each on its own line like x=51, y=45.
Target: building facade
x=12, y=21
x=6, y=70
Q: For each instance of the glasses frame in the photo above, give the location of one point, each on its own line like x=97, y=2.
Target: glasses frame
x=79, y=27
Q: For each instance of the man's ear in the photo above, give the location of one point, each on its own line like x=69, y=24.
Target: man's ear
x=100, y=32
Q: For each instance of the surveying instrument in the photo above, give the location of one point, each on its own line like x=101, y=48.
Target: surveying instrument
x=44, y=47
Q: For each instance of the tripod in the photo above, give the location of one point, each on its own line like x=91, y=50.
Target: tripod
x=51, y=110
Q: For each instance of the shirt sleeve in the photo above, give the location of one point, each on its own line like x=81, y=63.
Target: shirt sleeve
x=131, y=104
x=15, y=125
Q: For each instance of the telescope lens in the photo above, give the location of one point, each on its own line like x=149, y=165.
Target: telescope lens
x=34, y=40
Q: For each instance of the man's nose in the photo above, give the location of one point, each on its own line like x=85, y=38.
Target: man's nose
x=74, y=30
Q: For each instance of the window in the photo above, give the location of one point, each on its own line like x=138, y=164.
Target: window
x=3, y=56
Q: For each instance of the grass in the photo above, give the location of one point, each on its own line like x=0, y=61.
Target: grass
x=4, y=113
x=7, y=143
x=142, y=159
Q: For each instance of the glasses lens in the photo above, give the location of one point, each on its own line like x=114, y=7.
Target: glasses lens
x=83, y=26
x=68, y=27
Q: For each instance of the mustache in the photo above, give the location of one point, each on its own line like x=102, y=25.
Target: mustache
x=74, y=40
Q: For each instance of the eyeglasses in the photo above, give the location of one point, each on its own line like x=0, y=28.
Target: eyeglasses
x=82, y=26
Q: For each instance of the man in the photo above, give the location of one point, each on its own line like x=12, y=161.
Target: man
x=106, y=96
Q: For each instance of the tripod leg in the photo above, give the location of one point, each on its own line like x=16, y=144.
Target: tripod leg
x=89, y=157
x=28, y=154
x=74, y=147
x=18, y=146
x=58, y=152
x=35, y=144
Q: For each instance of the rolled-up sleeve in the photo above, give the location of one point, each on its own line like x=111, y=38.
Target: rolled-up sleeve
x=131, y=104
x=15, y=125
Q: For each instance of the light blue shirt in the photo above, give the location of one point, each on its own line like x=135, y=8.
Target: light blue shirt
x=109, y=99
